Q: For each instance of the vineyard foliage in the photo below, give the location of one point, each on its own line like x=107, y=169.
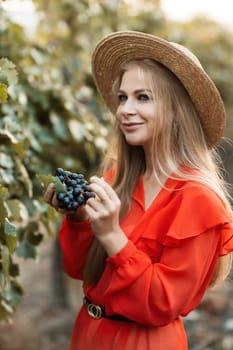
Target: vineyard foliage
x=51, y=115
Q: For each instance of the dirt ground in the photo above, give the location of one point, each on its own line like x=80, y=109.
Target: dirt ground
x=38, y=325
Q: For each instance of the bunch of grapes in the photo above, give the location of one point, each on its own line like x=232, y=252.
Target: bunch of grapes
x=76, y=191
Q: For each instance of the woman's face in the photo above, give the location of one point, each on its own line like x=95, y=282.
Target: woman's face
x=136, y=110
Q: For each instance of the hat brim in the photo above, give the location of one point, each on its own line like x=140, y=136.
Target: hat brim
x=121, y=47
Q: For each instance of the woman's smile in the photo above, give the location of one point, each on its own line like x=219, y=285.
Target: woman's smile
x=132, y=126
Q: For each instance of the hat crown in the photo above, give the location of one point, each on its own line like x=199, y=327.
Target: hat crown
x=187, y=53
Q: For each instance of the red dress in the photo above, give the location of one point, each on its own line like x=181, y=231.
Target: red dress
x=159, y=276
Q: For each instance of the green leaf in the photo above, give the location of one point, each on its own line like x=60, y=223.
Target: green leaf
x=11, y=235
x=48, y=179
x=6, y=64
x=38, y=56
x=13, y=293
x=33, y=226
x=11, y=242
x=26, y=250
x=45, y=179
x=5, y=310
x=77, y=130
x=8, y=135
x=52, y=214
x=12, y=76
x=9, y=228
x=19, y=149
x=14, y=269
x=8, y=69
x=6, y=161
x=3, y=213
x=3, y=92
x=59, y=125
x=35, y=238
x=7, y=176
x=60, y=187
x=3, y=193
x=24, y=175
x=17, y=209
x=5, y=261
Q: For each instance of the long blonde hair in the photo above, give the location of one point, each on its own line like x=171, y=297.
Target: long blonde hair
x=179, y=139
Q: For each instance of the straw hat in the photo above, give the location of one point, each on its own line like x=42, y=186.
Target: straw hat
x=120, y=47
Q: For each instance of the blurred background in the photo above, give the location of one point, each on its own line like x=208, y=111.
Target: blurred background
x=51, y=116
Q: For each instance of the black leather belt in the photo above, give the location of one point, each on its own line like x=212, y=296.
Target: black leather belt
x=98, y=312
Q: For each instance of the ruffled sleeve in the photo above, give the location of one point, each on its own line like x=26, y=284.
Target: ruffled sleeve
x=186, y=212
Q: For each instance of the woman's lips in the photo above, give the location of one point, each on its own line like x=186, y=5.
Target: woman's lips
x=131, y=126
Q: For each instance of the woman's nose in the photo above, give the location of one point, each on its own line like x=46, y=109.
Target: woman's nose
x=128, y=107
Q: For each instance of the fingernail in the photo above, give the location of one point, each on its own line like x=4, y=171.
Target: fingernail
x=93, y=178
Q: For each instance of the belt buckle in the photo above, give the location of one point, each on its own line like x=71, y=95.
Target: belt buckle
x=94, y=311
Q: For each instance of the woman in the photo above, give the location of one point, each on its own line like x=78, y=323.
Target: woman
x=159, y=231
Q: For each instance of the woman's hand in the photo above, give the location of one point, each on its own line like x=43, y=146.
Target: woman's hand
x=103, y=212
x=50, y=197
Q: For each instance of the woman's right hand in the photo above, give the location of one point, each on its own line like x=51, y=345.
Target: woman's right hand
x=50, y=197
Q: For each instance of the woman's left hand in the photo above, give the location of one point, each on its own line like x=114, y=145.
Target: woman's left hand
x=103, y=212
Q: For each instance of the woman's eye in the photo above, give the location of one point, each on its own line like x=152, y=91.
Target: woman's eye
x=143, y=97
x=122, y=98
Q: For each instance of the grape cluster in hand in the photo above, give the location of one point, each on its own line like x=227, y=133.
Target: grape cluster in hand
x=77, y=190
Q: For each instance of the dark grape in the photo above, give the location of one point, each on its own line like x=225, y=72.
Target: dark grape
x=88, y=194
x=77, y=190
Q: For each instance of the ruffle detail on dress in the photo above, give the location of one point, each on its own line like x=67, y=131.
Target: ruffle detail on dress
x=198, y=210
x=184, y=212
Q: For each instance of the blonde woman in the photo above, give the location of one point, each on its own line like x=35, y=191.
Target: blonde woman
x=159, y=231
